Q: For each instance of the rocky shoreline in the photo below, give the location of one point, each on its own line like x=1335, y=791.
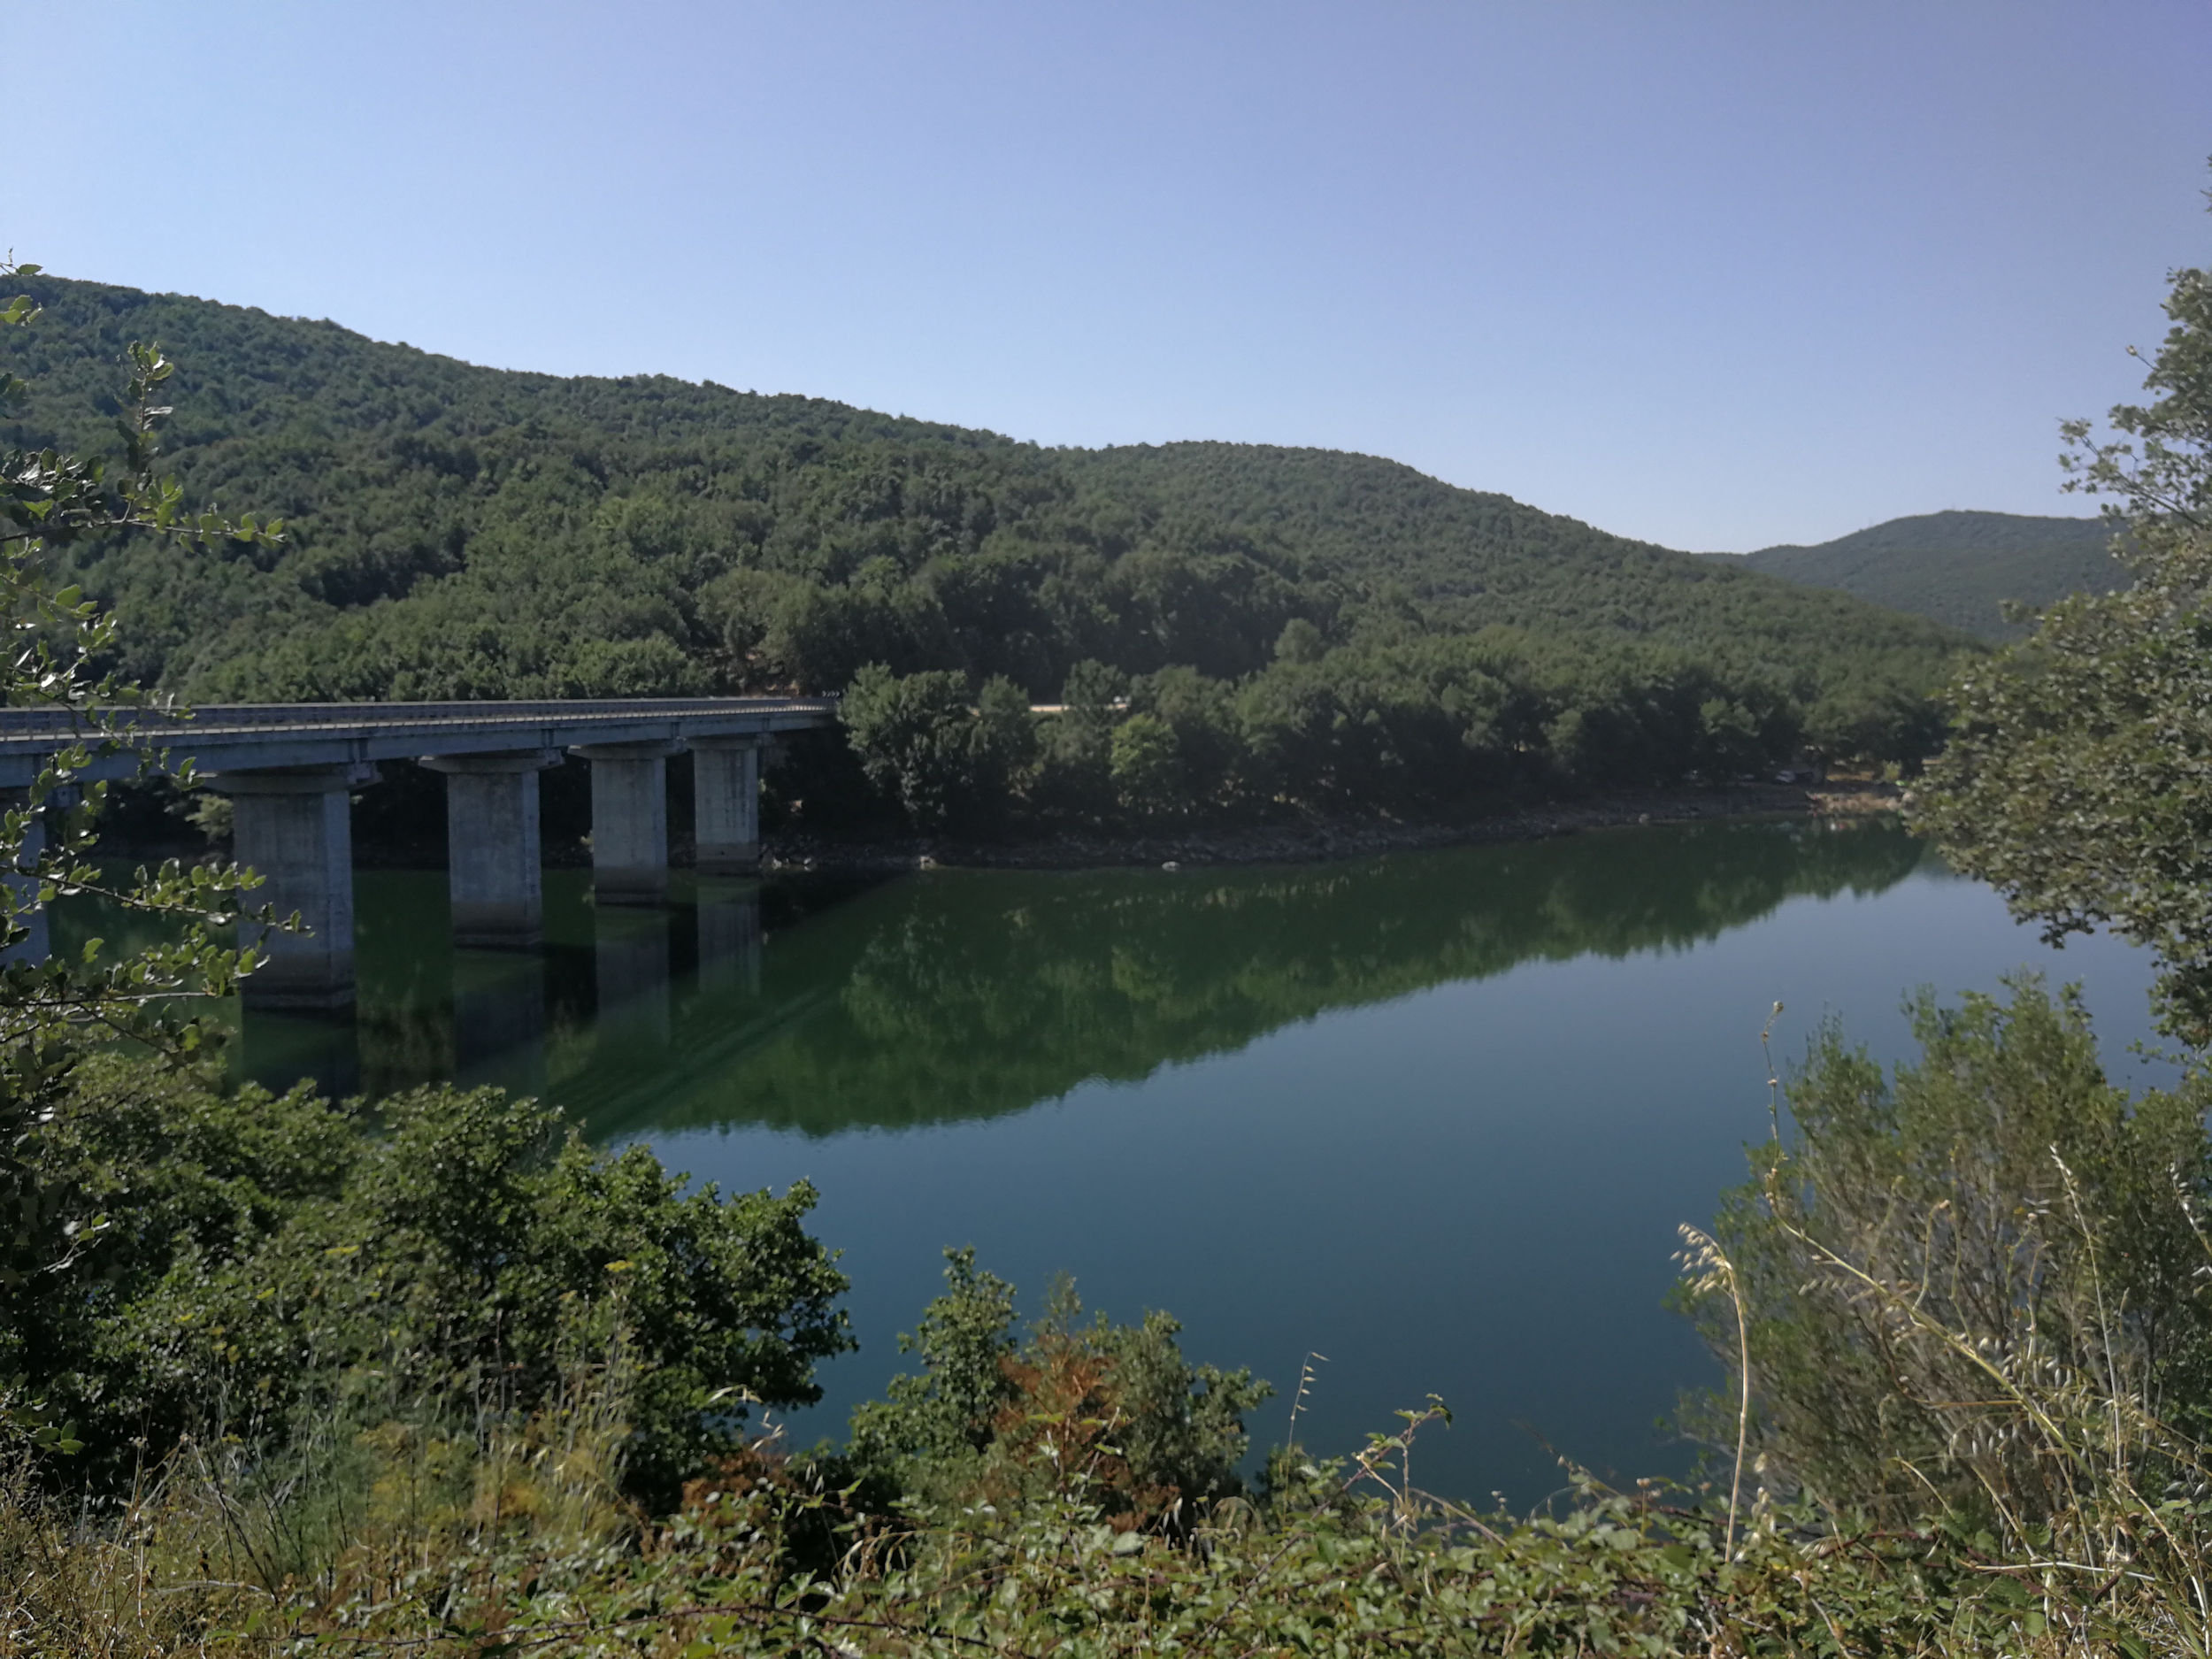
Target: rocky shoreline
x=1324, y=839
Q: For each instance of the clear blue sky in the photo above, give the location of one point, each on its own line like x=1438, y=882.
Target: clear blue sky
x=1718, y=275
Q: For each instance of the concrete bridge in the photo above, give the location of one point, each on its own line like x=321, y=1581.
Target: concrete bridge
x=289, y=770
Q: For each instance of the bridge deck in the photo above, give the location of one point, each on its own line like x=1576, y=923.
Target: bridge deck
x=253, y=736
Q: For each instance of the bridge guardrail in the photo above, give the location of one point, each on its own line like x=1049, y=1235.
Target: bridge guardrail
x=272, y=735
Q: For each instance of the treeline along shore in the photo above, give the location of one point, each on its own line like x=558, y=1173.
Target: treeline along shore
x=1310, y=840
x=400, y=822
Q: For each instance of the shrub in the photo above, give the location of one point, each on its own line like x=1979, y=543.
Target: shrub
x=268, y=1254
x=1112, y=1412
x=1977, y=1287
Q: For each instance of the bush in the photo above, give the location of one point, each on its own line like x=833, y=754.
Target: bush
x=266, y=1255
x=1977, y=1287
x=1114, y=1410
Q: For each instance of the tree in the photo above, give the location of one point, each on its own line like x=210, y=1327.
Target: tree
x=2078, y=776
x=1148, y=1435
x=1004, y=744
x=911, y=733
x=1147, y=770
x=1078, y=749
x=52, y=1011
x=948, y=761
x=1300, y=641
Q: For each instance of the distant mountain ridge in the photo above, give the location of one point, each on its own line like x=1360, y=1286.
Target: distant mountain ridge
x=1957, y=568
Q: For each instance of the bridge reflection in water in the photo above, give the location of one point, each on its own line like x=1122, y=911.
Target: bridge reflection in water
x=823, y=1006
x=601, y=998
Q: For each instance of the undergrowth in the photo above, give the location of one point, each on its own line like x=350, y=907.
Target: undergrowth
x=524, y=1545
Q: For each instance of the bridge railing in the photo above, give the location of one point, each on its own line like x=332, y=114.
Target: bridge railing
x=34, y=724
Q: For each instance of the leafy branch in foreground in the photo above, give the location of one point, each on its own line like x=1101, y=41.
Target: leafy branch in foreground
x=53, y=1010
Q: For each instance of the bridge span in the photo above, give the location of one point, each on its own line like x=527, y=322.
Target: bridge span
x=290, y=770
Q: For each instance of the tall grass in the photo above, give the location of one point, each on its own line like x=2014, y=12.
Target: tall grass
x=391, y=1520
x=1975, y=1299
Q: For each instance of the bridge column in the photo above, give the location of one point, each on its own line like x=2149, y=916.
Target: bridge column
x=725, y=793
x=629, y=820
x=294, y=826
x=495, y=875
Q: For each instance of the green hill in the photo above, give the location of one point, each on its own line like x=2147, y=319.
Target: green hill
x=463, y=531
x=1957, y=568
x=1407, y=545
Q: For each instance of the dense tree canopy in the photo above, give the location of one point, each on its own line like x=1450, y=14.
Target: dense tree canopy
x=460, y=531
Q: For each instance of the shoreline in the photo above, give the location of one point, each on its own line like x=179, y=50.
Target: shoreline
x=1314, y=842
x=1323, y=841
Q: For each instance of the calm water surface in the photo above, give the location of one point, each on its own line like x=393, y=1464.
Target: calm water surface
x=1435, y=1115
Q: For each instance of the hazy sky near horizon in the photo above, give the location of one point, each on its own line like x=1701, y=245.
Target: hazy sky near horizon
x=1716, y=275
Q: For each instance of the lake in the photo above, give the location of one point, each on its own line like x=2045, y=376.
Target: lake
x=1435, y=1115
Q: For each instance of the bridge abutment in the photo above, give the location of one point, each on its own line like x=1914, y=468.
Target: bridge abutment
x=294, y=826
x=495, y=870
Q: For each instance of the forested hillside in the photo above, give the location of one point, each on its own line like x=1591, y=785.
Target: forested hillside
x=1958, y=568
x=1329, y=625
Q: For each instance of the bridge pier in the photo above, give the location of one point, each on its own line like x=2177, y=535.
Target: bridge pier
x=725, y=793
x=629, y=820
x=288, y=768
x=494, y=871
x=295, y=825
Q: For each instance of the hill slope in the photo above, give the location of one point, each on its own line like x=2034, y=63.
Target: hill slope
x=650, y=533
x=1957, y=568
x=1279, y=630
x=1409, y=546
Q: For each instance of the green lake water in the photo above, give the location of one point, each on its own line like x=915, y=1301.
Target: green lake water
x=1435, y=1115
